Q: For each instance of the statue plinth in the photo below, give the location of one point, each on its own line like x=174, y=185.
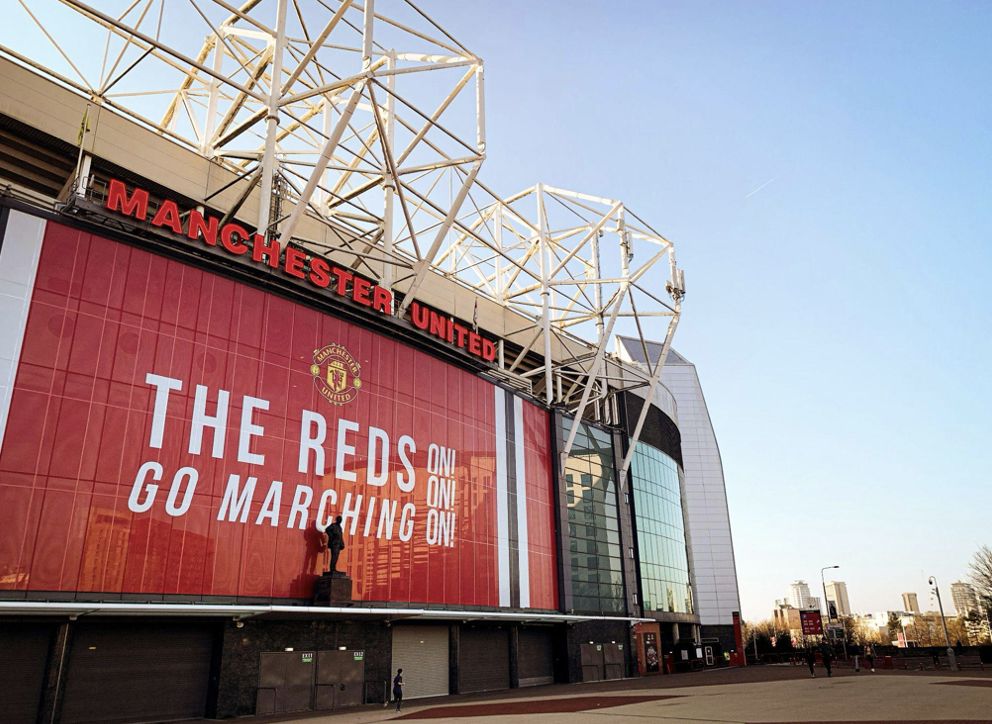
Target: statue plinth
x=332, y=588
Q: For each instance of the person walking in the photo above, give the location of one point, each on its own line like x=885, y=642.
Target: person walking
x=811, y=660
x=828, y=656
x=398, y=688
x=870, y=656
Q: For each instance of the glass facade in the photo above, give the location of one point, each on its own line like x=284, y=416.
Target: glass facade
x=593, y=529
x=664, y=564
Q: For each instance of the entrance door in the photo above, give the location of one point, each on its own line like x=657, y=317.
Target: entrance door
x=591, y=658
x=340, y=679
x=137, y=671
x=613, y=664
x=285, y=682
x=422, y=653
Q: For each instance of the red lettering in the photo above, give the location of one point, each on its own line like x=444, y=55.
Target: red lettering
x=439, y=325
x=294, y=262
x=168, y=215
x=382, y=300
x=360, y=289
x=117, y=200
x=474, y=344
x=462, y=331
x=270, y=249
x=343, y=278
x=229, y=238
x=319, y=270
x=198, y=229
x=420, y=316
x=488, y=350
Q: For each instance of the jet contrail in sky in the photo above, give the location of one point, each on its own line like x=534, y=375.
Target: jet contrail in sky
x=761, y=187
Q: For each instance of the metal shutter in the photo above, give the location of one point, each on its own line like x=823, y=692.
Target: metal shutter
x=23, y=660
x=535, y=657
x=137, y=671
x=422, y=653
x=483, y=659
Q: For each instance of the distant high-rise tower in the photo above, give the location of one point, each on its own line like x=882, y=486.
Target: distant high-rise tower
x=910, y=603
x=965, y=598
x=837, y=593
x=799, y=596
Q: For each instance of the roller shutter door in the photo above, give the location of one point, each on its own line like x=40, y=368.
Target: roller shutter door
x=422, y=653
x=535, y=657
x=23, y=661
x=137, y=672
x=483, y=660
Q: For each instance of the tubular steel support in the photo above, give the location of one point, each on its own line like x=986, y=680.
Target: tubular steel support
x=256, y=88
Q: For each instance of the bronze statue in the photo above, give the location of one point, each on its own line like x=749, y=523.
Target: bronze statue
x=335, y=543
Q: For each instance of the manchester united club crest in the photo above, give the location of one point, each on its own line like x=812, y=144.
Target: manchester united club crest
x=336, y=374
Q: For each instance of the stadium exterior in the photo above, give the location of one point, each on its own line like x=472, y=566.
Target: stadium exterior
x=209, y=352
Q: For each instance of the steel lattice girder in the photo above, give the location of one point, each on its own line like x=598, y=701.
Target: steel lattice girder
x=371, y=118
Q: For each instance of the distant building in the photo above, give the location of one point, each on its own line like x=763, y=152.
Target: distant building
x=837, y=594
x=965, y=598
x=974, y=615
x=799, y=596
x=910, y=602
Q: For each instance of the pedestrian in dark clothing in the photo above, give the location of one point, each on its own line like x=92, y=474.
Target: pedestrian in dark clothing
x=398, y=688
x=828, y=656
x=870, y=656
x=811, y=661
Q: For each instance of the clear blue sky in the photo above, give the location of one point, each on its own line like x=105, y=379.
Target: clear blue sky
x=840, y=315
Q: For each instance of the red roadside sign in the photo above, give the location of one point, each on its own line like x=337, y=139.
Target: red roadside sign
x=811, y=622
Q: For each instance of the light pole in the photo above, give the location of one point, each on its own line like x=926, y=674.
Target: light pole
x=951, y=660
x=826, y=604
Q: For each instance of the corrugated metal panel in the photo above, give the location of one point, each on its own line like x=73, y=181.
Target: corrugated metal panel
x=23, y=660
x=483, y=660
x=535, y=657
x=135, y=672
x=422, y=653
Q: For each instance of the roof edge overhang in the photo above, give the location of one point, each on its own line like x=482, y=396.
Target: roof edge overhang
x=238, y=612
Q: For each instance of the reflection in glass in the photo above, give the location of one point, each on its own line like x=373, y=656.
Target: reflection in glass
x=593, y=529
x=664, y=565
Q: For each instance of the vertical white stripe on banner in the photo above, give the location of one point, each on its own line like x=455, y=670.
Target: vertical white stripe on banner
x=18, y=268
x=502, y=514
x=518, y=455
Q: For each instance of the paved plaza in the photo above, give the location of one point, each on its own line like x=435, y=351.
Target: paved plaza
x=770, y=694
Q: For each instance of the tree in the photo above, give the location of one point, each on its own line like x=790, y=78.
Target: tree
x=761, y=632
x=895, y=626
x=981, y=572
x=861, y=632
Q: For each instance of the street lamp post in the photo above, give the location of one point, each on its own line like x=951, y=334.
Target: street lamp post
x=951, y=660
x=826, y=604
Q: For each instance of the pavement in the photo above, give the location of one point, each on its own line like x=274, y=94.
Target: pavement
x=752, y=695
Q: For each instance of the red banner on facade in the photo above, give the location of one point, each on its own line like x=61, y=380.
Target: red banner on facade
x=175, y=432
